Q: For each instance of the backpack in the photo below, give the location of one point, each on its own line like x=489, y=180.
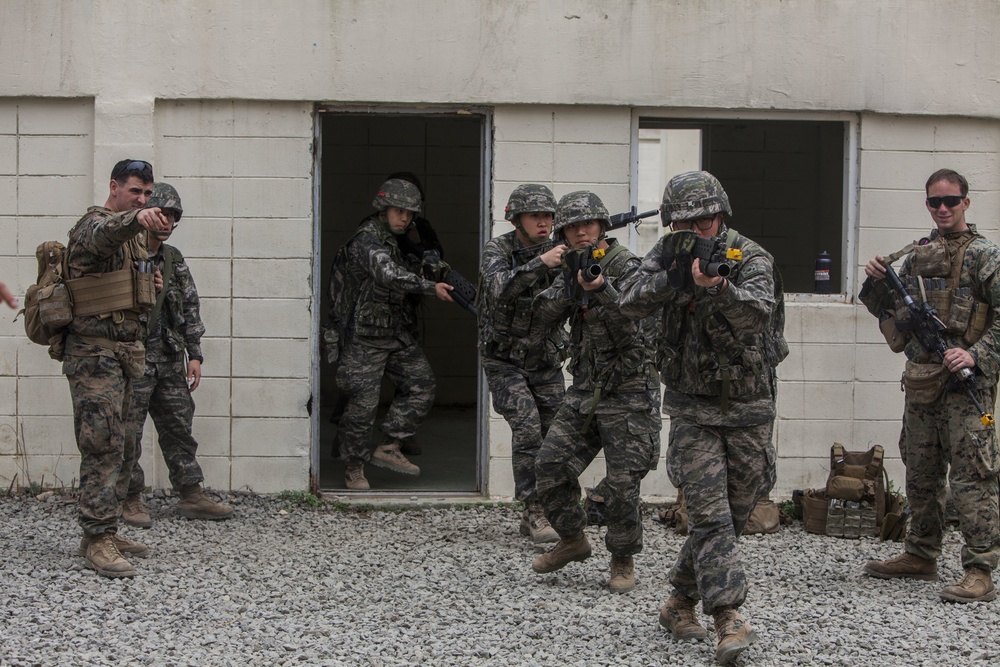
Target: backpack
x=48, y=307
x=344, y=289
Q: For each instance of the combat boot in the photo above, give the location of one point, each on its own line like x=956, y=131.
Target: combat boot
x=103, y=555
x=568, y=549
x=622, y=574
x=125, y=546
x=678, y=616
x=410, y=446
x=903, y=566
x=388, y=456
x=134, y=512
x=975, y=586
x=536, y=526
x=354, y=477
x=734, y=634
x=194, y=504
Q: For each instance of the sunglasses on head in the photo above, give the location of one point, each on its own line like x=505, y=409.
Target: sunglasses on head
x=132, y=165
x=951, y=201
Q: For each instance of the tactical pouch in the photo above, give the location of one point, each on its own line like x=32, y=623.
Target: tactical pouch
x=55, y=308
x=977, y=322
x=895, y=340
x=814, y=503
x=847, y=487
x=765, y=518
x=104, y=293
x=931, y=260
x=145, y=289
x=924, y=383
x=132, y=357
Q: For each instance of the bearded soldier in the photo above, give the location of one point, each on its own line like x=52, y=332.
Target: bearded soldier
x=716, y=357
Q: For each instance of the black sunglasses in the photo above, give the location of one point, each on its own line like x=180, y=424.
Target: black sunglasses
x=951, y=201
x=132, y=165
x=700, y=223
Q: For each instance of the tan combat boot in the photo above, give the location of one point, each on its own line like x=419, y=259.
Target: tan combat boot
x=734, y=634
x=410, y=446
x=134, y=512
x=535, y=525
x=678, y=616
x=903, y=566
x=354, y=477
x=125, y=546
x=975, y=586
x=388, y=456
x=103, y=555
x=194, y=504
x=622, y=574
x=575, y=548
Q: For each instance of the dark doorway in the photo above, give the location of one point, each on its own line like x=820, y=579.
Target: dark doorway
x=446, y=153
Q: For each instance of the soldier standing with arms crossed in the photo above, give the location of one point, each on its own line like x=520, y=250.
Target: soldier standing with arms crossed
x=943, y=438
x=164, y=391
x=523, y=359
x=717, y=363
x=612, y=404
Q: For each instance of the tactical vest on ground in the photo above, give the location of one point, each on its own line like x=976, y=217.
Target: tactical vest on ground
x=380, y=311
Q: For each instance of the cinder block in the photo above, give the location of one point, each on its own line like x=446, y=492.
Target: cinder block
x=978, y=168
x=256, y=118
x=895, y=170
x=272, y=197
x=592, y=163
x=656, y=484
x=872, y=242
x=276, y=278
x=885, y=208
x=271, y=318
x=832, y=362
x=8, y=228
x=196, y=157
x=34, y=361
x=213, y=397
x=8, y=155
x=594, y=473
x=867, y=329
x=215, y=313
x=34, y=196
x=37, y=396
x=212, y=276
x=271, y=357
x=271, y=437
x=819, y=323
x=811, y=438
x=883, y=431
x=55, y=116
x=203, y=237
x=806, y=473
x=876, y=362
x=205, y=197
x=281, y=238
x=527, y=162
x=500, y=436
x=194, y=118
x=273, y=157
x=271, y=474
x=55, y=156
x=218, y=357
x=614, y=195
x=33, y=231
x=524, y=123
x=882, y=132
x=593, y=125
x=270, y=398
x=878, y=400
x=9, y=444
x=212, y=434
x=966, y=134
x=816, y=400
x=500, y=478
x=8, y=116
x=218, y=472
x=49, y=471
x=8, y=355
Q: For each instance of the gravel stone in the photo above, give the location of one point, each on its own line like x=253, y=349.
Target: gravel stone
x=285, y=583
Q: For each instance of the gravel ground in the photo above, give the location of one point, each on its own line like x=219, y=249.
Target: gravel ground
x=284, y=583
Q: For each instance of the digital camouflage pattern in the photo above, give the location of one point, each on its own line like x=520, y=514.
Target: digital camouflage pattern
x=611, y=405
x=522, y=358
x=382, y=342
x=98, y=383
x=945, y=440
x=693, y=195
x=529, y=198
x=579, y=206
x=399, y=193
x=165, y=196
x=162, y=392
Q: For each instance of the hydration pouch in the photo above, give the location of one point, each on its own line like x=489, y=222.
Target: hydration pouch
x=924, y=383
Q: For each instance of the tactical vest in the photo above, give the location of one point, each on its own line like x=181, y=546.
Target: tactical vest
x=124, y=293
x=379, y=312
x=699, y=352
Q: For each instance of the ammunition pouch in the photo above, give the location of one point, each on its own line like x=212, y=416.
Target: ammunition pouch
x=855, y=492
x=891, y=333
x=924, y=383
x=100, y=294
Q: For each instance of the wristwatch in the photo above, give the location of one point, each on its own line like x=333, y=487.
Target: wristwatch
x=717, y=289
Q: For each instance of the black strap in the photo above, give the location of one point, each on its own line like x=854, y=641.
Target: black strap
x=168, y=273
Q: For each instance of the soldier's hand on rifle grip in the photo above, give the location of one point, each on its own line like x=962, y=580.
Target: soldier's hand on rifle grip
x=441, y=291
x=876, y=267
x=553, y=258
x=955, y=359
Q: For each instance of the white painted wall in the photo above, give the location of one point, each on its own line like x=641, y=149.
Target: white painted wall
x=220, y=96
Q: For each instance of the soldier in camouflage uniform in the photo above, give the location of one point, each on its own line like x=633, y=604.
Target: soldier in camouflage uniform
x=379, y=339
x=611, y=405
x=164, y=391
x=943, y=437
x=521, y=358
x=104, y=355
x=716, y=363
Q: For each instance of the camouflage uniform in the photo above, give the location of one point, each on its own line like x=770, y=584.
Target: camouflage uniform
x=162, y=391
x=101, y=360
x=945, y=440
x=723, y=461
x=521, y=358
x=611, y=405
x=382, y=342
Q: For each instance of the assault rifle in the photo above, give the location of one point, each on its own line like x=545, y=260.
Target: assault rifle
x=617, y=221
x=587, y=260
x=712, y=254
x=436, y=269
x=926, y=327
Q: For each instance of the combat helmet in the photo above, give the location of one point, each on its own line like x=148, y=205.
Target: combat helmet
x=580, y=206
x=399, y=193
x=165, y=196
x=529, y=198
x=693, y=195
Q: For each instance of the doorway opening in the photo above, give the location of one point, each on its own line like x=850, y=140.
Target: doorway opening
x=447, y=152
